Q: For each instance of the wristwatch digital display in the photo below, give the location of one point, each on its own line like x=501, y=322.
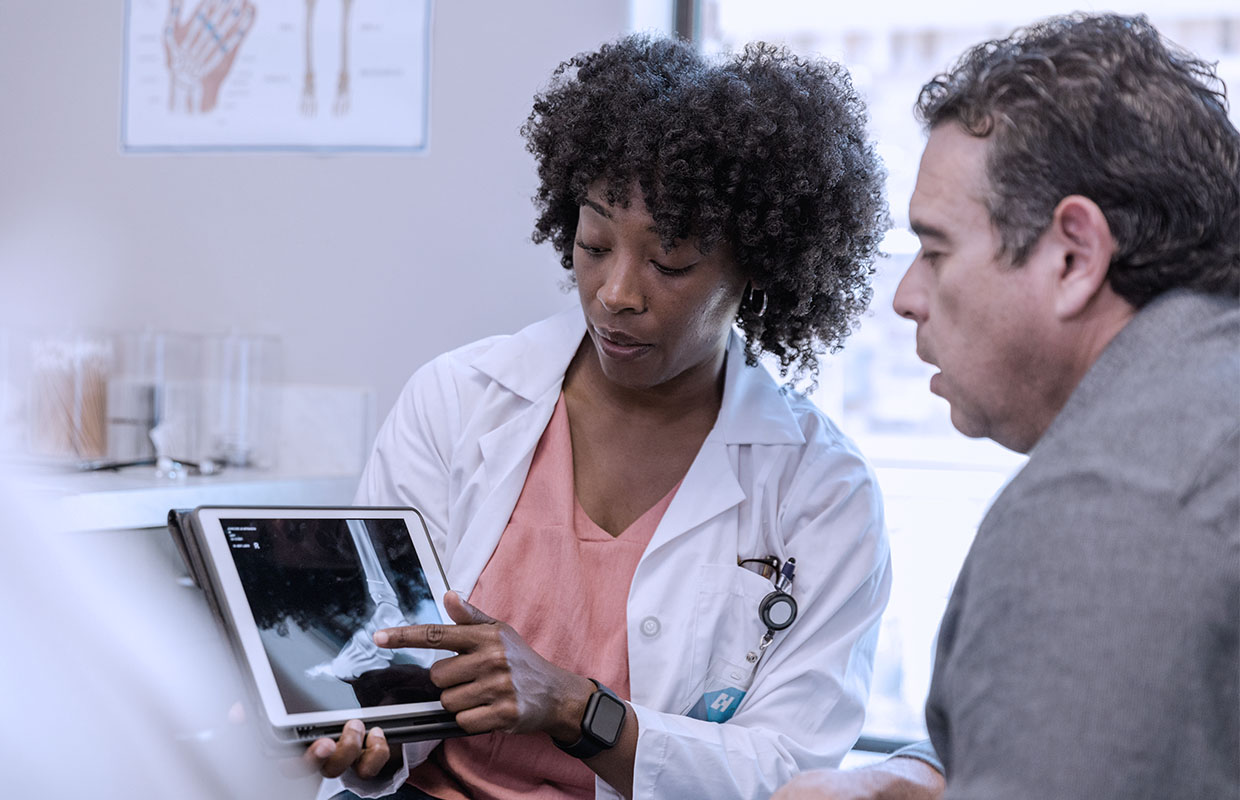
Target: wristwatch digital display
x=601, y=724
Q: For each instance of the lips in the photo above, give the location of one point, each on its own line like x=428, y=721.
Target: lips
x=618, y=345
x=936, y=379
x=619, y=337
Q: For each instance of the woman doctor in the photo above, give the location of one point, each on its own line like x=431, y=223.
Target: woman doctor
x=593, y=482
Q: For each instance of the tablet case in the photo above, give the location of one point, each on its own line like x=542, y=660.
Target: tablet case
x=186, y=534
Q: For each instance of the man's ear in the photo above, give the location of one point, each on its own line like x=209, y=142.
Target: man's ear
x=1086, y=247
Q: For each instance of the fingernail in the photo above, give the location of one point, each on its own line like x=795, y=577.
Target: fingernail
x=381, y=638
x=324, y=749
x=355, y=725
x=377, y=731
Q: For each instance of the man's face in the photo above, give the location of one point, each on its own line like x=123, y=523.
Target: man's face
x=980, y=320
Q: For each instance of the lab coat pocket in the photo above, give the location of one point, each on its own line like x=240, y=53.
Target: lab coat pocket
x=720, y=693
x=726, y=638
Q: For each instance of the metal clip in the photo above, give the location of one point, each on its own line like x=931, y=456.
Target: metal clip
x=765, y=642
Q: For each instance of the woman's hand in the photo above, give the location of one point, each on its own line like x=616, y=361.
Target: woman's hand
x=366, y=755
x=496, y=682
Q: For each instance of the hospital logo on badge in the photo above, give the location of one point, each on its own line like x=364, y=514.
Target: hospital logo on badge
x=717, y=706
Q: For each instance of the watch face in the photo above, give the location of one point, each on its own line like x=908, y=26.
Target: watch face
x=608, y=719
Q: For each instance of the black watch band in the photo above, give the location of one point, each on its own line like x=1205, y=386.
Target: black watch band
x=601, y=724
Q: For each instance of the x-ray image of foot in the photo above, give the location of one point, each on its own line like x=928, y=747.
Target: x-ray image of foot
x=361, y=654
x=201, y=50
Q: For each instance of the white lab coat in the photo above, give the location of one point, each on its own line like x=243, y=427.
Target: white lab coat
x=774, y=476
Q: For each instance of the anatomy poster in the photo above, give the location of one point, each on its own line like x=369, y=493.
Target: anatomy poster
x=317, y=75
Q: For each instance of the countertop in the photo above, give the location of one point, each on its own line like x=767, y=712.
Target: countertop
x=135, y=497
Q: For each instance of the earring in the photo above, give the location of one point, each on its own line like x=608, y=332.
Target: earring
x=749, y=300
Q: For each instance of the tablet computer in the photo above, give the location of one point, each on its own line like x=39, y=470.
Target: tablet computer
x=301, y=591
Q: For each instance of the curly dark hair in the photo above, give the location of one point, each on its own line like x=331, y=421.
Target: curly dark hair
x=1104, y=107
x=764, y=151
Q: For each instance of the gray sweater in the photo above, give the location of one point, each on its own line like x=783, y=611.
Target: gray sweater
x=1091, y=647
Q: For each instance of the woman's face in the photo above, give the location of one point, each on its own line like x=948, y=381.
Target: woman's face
x=656, y=317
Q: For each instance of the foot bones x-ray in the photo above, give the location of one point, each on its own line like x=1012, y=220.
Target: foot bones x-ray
x=361, y=654
x=319, y=589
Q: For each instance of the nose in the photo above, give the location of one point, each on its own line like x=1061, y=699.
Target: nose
x=910, y=298
x=621, y=289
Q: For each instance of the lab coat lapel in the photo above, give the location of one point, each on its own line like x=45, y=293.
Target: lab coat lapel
x=709, y=488
x=528, y=368
x=507, y=453
x=754, y=411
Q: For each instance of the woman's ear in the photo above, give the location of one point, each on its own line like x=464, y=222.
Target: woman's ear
x=1086, y=247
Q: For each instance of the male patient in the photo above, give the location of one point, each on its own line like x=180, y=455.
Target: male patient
x=1078, y=287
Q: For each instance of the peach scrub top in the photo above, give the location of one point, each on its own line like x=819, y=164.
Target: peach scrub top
x=562, y=582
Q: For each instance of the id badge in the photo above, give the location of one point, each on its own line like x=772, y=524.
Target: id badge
x=721, y=692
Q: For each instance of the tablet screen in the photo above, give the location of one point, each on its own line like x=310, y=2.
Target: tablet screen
x=318, y=589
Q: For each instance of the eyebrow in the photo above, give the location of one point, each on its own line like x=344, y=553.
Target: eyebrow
x=602, y=211
x=924, y=230
x=585, y=201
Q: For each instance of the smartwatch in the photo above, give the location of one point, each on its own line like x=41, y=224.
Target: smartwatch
x=600, y=725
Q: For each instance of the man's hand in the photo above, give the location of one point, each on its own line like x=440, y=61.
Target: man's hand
x=496, y=682
x=894, y=779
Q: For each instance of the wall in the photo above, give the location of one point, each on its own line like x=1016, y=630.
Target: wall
x=366, y=266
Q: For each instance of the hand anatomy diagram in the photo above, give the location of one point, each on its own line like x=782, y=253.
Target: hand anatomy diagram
x=309, y=101
x=201, y=50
